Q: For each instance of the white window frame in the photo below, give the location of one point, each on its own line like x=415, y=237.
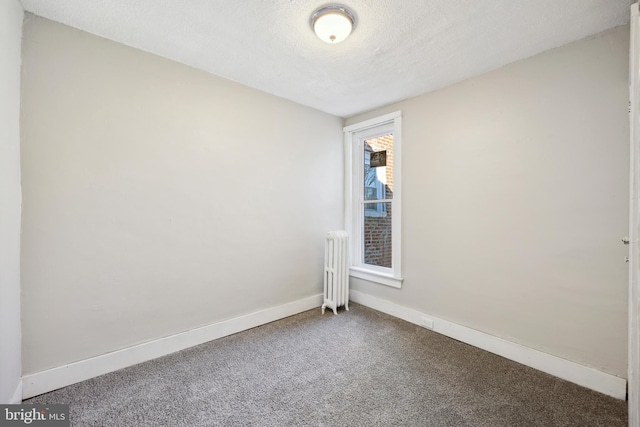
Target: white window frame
x=354, y=136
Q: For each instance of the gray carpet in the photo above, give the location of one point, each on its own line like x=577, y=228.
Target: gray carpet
x=360, y=368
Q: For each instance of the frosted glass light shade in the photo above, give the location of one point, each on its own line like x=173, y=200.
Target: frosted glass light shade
x=332, y=24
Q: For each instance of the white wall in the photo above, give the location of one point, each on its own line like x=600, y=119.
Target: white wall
x=11, y=15
x=515, y=187
x=159, y=198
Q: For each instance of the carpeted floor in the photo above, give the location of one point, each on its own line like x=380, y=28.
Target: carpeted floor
x=360, y=368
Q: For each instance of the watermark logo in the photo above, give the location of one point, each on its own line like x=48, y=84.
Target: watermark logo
x=34, y=415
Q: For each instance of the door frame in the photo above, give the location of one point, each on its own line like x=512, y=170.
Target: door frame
x=634, y=221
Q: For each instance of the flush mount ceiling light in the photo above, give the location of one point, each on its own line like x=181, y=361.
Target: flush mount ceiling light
x=333, y=23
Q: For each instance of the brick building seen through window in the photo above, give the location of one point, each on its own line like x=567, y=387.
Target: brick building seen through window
x=378, y=193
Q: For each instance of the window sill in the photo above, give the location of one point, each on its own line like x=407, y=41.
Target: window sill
x=376, y=277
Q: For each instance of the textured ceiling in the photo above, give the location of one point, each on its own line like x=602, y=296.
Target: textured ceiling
x=399, y=49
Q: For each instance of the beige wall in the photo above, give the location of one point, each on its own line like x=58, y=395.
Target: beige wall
x=159, y=198
x=10, y=39
x=515, y=187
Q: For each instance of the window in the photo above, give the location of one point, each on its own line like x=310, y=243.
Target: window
x=373, y=195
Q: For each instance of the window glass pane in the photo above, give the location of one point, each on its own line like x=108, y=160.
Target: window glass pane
x=378, y=168
x=377, y=234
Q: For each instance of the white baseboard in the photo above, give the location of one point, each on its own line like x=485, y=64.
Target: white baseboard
x=17, y=394
x=52, y=379
x=562, y=368
x=62, y=376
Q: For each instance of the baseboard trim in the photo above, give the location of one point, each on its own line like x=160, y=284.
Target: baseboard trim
x=62, y=376
x=17, y=394
x=579, y=374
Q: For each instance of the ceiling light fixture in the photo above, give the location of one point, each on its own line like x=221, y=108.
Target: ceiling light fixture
x=333, y=23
